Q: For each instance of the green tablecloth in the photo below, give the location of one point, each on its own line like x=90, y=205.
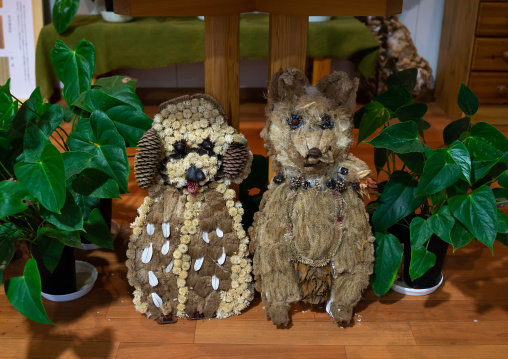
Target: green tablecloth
x=161, y=41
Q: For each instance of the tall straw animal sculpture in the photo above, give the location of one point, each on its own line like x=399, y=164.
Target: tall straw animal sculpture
x=188, y=254
x=311, y=239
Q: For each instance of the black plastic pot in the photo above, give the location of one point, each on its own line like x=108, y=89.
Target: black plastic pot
x=63, y=278
x=432, y=277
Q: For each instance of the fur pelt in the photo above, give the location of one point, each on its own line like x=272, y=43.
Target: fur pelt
x=311, y=238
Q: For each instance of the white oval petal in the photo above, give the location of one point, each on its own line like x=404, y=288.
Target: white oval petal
x=146, y=256
x=220, y=234
x=198, y=263
x=169, y=267
x=222, y=257
x=328, y=310
x=150, y=228
x=165, y=248
x=166, y=229
x=152, y=279
x=205, y=237
x=156, y=300
x=215, y=282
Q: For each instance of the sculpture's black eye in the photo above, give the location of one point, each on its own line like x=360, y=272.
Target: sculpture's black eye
x=327, y=122
x=207, y=145
x=295, y=121
x=180, y=147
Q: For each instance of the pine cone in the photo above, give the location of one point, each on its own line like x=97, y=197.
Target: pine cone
x=235, y=160
x=148, y=158
x=278, y=178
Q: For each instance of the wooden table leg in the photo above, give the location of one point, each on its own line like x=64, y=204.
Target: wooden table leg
x=222, y=58
x=288, y=45
x=320, y=68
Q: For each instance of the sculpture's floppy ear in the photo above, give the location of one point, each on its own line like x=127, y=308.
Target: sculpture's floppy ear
x=237, y=159
x=338, y=87
x=287, y=85
x=148, y=158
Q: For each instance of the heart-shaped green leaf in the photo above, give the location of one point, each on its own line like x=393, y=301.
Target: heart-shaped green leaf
x=34, y=143
x=12, y=195
x=502, y=222
x=74, y=68
x=50, y=248
x=458, y=154
x=375, y=116
x=442, y=223
x=67, y=238
x=405, y=78
x=24, y=293
x=437, y=174
x=412, y=112
x=421, y=261
x=45, y=180
x=8, y=107
x=51, y=119
x=130, y=123
x=116, y=83
x=8, y=239
x=397, y=201
x=460, y=236
x=420, y=232
x=477, y=212
x=97, y=231
x=95, y=183
x=69, y=218
x=401, y=137
x=63, y=13
x=380, y=158
x=388, y=259
x=394, y=97
x=486, y=142
x=467, y=100
x=75, y=162
x=99, y=137
x=455, y=129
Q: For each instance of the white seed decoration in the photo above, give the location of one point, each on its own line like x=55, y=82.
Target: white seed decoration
x=156, y=300
x=150, y=228
x=165, y=248
x=198, y=263
x=169, y=267
x=328, y=304
x=215, y=282
x=205, y=237
x=220, y=234
x=152, y=279
x=146, y=256
x=222, y=257
x=166, y=229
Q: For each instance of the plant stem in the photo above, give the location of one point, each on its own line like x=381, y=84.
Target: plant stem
x=56, y=140
x=5, y=169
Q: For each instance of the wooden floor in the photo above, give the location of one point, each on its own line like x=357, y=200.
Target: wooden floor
x=467, y=317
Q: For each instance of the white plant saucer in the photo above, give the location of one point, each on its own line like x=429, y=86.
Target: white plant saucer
x=400, y=287
x=86, y=275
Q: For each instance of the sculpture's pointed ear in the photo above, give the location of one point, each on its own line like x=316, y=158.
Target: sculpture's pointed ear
x=338, y=87
x=287, y=85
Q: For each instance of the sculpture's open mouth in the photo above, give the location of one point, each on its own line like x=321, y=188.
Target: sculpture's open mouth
x=192, y=187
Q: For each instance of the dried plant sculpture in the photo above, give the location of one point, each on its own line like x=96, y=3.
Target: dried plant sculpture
x=311, y=239
x=188, y=254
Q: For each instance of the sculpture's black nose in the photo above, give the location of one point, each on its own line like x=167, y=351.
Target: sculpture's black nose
x=314, y=152
x=195, y=174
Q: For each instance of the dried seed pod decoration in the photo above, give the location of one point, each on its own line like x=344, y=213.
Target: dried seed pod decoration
x=180, y=146
x=356, y=186
x=344, y=171
x=207, y=145
x=235, y=159
x=295, y=183
x=331, y=183
x=341, y=186
x=306, y=185
x=278, y=178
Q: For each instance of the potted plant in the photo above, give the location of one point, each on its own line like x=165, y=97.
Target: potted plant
x=440, y=196
x=52, y=180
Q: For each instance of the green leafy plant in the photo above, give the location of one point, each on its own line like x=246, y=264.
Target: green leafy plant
x=63, y=13
x=444, y=191
x=49, y=195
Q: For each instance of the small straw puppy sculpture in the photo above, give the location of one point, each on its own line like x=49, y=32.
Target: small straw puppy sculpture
x=311, y=239
x=188, y=254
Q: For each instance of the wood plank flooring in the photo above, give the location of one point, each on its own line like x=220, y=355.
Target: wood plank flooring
x=467, y=317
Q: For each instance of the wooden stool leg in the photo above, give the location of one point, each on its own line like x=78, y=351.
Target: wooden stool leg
x=288, y=45
x=222, y=58
x=320, y=68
